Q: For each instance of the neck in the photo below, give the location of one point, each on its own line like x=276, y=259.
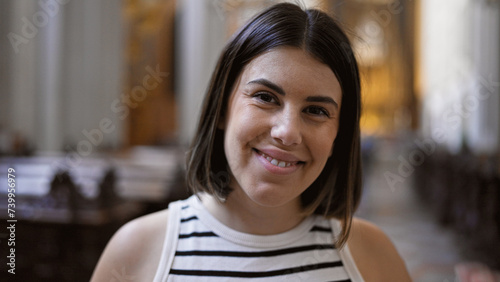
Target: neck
x=244, y=215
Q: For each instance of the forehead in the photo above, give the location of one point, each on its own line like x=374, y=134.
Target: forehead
x=293, y=69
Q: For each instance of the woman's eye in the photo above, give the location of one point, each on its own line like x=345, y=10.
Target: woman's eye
x=314, y=110
x=265, y=97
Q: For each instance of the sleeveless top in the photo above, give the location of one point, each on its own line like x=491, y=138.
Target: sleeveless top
x=198, y=247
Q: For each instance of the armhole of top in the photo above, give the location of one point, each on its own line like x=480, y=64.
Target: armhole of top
x=170, y=242
x=345, y=255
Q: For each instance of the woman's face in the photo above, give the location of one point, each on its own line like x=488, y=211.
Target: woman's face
x=281, y=123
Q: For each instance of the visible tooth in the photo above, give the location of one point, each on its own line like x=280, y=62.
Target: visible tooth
x=288, y=164
x=282, y=164
x=274, y=162
x=269, y=159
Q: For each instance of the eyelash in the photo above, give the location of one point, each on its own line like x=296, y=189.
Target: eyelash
x=260, y=95
x=321, y=109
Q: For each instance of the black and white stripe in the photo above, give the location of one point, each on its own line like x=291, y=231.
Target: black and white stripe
x=208, y=251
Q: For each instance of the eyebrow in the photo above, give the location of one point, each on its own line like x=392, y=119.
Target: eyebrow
x=322, y=99
x=279, y=90
x=269, y=85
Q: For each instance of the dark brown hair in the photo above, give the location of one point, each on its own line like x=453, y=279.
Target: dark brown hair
x=336, y=192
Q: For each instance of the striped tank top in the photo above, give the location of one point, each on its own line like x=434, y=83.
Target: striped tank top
x=198, y=247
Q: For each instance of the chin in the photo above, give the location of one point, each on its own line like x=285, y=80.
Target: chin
x=269, y=197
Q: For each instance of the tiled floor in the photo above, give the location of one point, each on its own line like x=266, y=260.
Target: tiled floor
x=428, y=250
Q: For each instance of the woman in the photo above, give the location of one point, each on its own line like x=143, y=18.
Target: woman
x=275, y=168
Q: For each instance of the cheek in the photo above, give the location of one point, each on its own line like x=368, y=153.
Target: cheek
x=245, y=126
x=323, y=151
x=325, y=145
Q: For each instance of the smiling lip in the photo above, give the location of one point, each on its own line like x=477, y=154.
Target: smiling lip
x=278, y=162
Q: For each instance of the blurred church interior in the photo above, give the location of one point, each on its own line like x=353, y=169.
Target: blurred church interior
x=99, y=100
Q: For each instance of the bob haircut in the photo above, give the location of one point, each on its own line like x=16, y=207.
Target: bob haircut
x=336, y=192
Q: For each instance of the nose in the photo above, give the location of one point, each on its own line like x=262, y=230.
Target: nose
x=286, y=128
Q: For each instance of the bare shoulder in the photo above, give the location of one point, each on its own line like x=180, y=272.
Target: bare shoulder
x=134, y=250
x=375, y=255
